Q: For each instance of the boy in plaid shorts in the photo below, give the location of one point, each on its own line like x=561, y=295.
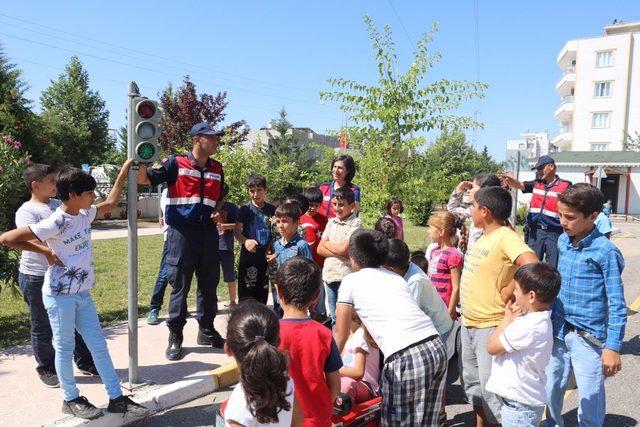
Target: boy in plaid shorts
x=415, y=360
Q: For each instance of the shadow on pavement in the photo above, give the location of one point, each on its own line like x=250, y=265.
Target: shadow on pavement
x=610, y=420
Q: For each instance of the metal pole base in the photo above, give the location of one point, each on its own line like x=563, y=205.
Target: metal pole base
x=136, y=386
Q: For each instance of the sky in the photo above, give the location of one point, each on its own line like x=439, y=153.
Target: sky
x=267, y=55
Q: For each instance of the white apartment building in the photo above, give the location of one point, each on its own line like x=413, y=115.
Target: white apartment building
x=531, y=145
x=599, y=90
x=262, y=137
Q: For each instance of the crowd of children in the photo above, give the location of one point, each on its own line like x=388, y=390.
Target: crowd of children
x=524, y=325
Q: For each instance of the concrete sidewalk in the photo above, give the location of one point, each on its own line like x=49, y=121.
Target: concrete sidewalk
x=25, y=401
x=118, y=229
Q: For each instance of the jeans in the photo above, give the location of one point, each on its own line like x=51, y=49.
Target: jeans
x=161, y=281
x=41, y=335
x=320, y=308
x=545, y=244
x=577, y=354
x=331, y=288
x=516, y=414
x=70, y=312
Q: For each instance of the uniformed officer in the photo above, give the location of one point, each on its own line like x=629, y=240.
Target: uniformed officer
x=543, y=219
x=194, y=190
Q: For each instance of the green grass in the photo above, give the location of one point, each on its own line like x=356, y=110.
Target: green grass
x=110, y=293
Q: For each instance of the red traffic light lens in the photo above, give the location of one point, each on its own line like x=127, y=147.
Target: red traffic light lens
x=146, y=109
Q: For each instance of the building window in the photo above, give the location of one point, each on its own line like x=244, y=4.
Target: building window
x=599, y=147
x=521, y=146
x=600, y=121
x=602, y=90
x=604, y=58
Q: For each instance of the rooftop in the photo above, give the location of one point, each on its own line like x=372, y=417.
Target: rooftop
x=595, y=158
x=619, y=27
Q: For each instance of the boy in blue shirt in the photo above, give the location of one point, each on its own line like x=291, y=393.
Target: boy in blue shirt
x=287, y=218
x=590, y=314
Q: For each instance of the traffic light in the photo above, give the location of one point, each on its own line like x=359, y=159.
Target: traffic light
x=145, y=130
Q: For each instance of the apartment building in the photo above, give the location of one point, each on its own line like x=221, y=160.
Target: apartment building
x=599, y=90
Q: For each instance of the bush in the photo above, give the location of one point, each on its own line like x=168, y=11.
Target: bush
x=521, y=213
x=12, y=194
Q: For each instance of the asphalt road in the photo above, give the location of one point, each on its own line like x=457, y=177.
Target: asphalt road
x=623, y=401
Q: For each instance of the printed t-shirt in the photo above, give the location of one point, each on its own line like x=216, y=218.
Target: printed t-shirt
x=519, y=374
x=69, y=236
x=30, y=213
x=441, y=262
x=488, y=268
x=256, y=225
x=372, y=364
x=312, y=352
x=314, y=226
x=338, y=231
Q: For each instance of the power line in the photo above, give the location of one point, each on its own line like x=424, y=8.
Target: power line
x=406, y=33
x=167, y=59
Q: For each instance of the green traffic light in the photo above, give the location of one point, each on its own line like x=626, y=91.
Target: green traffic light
x=146, y=150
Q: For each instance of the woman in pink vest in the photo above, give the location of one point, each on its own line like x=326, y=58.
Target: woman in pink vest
x=343, y=169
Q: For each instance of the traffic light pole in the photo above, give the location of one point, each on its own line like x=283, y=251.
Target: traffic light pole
x=132, y=216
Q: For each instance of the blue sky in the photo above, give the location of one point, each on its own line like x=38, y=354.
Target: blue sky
x=270, y=54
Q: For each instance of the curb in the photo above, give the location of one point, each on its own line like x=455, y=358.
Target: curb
x=160, y=398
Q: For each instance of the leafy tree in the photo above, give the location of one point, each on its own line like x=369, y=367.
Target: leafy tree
x=386, y=116
x=75, y=119
x=16, y=118
x=184, y=108
x=632, y=143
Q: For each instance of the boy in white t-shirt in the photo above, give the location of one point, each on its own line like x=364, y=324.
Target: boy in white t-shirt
x=522, y=344
x=415, y=359
x=70, y=276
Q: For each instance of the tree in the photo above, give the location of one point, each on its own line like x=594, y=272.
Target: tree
x=184, y=108
x=16, y=118
x=386, y=116
x=632, y=143
x=75, y=119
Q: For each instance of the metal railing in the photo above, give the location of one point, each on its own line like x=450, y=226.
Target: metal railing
x=569, y=70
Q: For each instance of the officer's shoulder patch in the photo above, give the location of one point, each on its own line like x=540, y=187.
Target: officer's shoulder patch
x=157, y=165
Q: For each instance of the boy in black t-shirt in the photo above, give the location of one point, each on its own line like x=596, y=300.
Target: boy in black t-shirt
x=253, y=232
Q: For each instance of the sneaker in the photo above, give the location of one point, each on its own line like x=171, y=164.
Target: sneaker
x=153, y=316
x=81, y=408
x=124, y=405
x=210, y=337
x=49, y=378
x=174, y=349
x=90, y=371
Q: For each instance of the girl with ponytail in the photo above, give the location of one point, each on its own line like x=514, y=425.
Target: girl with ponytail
x=264, y=395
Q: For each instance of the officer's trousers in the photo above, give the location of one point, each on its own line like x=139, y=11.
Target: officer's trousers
x=545, y=244
x=189, y=250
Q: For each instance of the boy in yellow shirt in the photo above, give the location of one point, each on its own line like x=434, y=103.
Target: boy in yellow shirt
x=485, y=287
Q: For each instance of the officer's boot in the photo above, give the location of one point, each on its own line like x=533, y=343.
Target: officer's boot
x=174, y=349
x=210, y=337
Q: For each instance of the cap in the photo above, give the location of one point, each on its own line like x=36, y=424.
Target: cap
x=204, y=129
x=543, y=160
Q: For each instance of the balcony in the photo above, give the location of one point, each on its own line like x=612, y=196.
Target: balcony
x=565, y=111
x=564, y=138
x=567, y=82
x=568, y=54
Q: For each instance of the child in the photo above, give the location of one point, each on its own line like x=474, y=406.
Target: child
x=314, y=359
x=254, y=234
x=360, y=375
x=420, y=287
x=287, y=218
x=387, y=227
x=418, y=258
x=228, y=215
x=334, y=245
x=590, y=314
x=157, y=296
x=40, y=180
x=415, y=363
x=521, y=346
x=70, y=276
x=445, y=261
x=265, y=393
x=485, y=287
x=456, y=206
x=394, y=209
x=607, y=208
x=314, y=222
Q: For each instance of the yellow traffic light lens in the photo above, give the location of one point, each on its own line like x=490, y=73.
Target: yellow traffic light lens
x=146, y=150
x=146, y=109
x=146, y=130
